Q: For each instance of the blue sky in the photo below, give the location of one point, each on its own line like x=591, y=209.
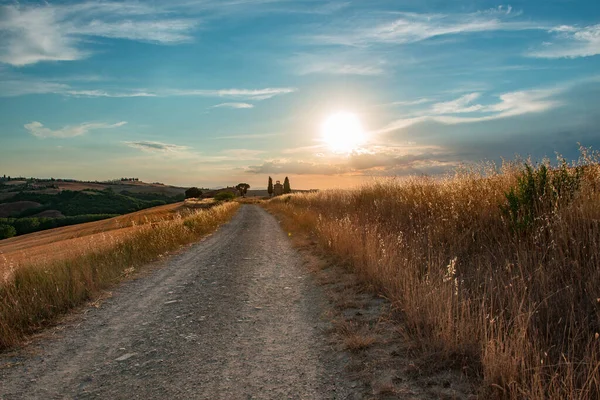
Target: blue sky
x=216, y=92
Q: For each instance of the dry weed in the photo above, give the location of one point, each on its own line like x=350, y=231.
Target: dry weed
x=516, y=306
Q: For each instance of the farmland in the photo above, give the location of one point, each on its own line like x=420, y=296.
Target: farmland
x=28, y=206
x=68, y=241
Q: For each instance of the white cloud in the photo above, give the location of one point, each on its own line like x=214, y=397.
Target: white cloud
x=415, y=102
x=340, y=69
x=150, y=146
x=244, y=94
x=103, y=93
x=33, y=33
x=233, y=105
x=460, y=105
x=18, y=86
x=163, y=32
x=37, y=129
x=374, y=160
x=571, y=42
x=238, y=94
x=340, y=63
x=510, y=105
x=414, y=27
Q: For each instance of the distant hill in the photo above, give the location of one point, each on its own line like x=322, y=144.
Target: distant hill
x=30, y=205
x=48, y=186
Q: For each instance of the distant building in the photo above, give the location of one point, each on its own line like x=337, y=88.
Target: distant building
x=277, y=189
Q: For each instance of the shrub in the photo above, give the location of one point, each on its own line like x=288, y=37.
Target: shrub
x=7, y=231
x=224, y=196
x=539, y=192
x=26, y=225
x=193, y=192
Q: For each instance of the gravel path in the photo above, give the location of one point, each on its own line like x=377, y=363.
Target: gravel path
x=232, y=317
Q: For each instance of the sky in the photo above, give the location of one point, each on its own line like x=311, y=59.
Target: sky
x=215, y=92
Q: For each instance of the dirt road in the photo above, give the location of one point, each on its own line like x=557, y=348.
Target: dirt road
x=233, y=317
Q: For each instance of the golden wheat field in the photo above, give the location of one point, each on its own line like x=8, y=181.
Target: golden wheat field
x=495, y=270
x=71, y=240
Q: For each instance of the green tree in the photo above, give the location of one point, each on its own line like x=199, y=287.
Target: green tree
x=193, y=192
x=242, y=188
x=286, y=186
x=270, y=187
x=7, y=231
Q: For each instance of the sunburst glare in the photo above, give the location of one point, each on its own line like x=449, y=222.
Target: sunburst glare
x=343, y=132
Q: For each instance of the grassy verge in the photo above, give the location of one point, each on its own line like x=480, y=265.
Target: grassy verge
x=36, y=294
x=495, y=274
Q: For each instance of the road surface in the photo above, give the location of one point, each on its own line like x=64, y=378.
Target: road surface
x=232, y=317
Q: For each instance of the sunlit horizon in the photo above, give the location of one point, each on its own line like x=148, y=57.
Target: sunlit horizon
x=328, y=93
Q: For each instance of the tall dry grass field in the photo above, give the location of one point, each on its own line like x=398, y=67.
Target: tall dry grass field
x=496, y=272
x=37, y=290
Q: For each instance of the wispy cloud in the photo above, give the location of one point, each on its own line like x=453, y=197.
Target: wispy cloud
x=19, y=86
x=243, y=94
x=372, y=161
x=460, y=105
x=104, y=93
x=35, y=33
x=344, y=63
x=571, y=42
x=331, y=67
x=509, y=105
x=414, y=102
x=327, y=67
x=414, y=27
x=153, y=147
x=37, y=129
x=233, y=105
x=295, y=167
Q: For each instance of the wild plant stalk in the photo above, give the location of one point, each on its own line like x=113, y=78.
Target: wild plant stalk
x=36, y=294
x=512, y=295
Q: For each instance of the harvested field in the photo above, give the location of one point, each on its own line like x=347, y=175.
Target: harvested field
x=73, y=240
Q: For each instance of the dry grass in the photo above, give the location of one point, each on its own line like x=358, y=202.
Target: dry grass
x=521, y=309
x=355, y=337
x=38, y=291
x=357, y=341
x=250, y=200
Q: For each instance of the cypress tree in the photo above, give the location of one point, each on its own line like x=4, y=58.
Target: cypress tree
x=286, y=186
x=270, y=187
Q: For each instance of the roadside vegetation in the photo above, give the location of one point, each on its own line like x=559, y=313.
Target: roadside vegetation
x=32, y=295
x=495, y=271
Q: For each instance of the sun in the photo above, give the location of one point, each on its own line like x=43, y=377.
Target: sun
x=343, y=132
